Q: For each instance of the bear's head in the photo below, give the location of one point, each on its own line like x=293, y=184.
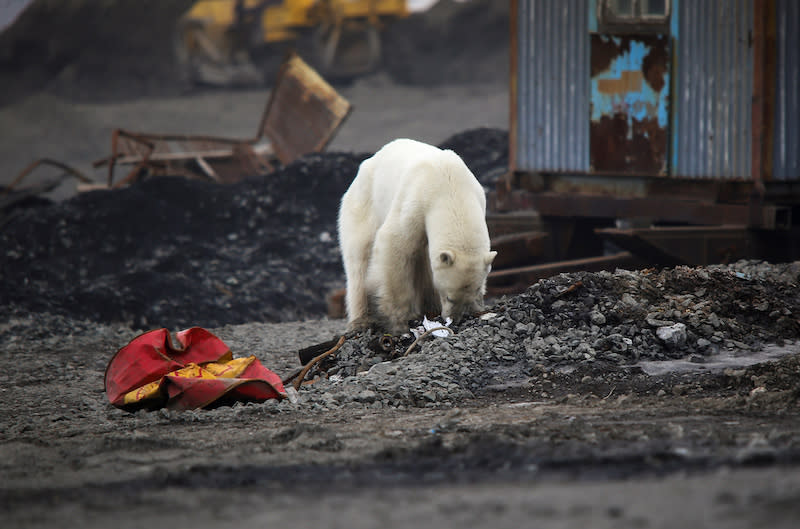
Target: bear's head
x=459, y=279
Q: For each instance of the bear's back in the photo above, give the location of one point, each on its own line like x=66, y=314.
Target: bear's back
x=409, y=170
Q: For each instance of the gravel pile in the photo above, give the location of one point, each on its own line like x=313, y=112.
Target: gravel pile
x=599, y=320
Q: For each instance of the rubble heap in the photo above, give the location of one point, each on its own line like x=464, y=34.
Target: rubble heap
x=595, y=322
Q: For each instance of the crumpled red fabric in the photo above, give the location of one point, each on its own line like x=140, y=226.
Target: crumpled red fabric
x=151, y=373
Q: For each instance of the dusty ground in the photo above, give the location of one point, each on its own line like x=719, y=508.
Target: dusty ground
x=655, y=398
x=601, y=445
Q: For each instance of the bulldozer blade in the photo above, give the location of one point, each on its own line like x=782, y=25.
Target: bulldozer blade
x=202, y=59
x=348, y=49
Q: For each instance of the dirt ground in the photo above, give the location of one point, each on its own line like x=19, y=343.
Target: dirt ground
x=599, y=446
x=642, y=399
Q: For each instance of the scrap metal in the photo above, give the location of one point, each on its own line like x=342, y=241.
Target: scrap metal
x=302, y=115
x=67, y=171
x=694, y=245
x=12, y=195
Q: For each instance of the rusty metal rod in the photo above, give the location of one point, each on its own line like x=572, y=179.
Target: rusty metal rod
x=298, y=380
x=46, y=161
x=425, y=334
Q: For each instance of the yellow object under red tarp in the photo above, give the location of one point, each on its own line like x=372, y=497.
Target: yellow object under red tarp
x=151, y=373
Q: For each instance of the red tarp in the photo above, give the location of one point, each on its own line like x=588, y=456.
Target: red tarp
x=151, y=373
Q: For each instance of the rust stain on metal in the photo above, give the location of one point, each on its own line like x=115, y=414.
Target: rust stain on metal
x=666, y=207
x=618, y=143
x=303, y=112
x=67, y=170
x=224, y=160
x=654, y=64
x=696, y=245
x=606, y=50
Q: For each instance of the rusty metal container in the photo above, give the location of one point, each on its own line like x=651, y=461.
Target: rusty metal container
x=667, y=100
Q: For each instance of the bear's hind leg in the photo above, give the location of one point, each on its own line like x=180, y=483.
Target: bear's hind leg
x=357, y=305
x=356, y=254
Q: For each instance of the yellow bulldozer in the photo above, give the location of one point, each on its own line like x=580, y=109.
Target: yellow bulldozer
x=217, y=40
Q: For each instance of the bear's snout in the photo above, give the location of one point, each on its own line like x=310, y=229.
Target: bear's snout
x=453, y=309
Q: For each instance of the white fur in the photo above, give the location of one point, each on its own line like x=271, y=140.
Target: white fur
x=413, y=236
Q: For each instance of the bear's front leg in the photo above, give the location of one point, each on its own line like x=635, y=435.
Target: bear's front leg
x=392, y=279
x=357, y=230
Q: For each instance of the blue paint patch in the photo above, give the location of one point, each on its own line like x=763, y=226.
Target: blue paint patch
x=636, y=99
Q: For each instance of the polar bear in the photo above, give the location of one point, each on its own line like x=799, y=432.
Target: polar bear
x=413, y=237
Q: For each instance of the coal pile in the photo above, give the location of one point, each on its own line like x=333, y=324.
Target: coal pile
x=174, y=252
x=487, y=158
x=452, y=42
x=92, y=51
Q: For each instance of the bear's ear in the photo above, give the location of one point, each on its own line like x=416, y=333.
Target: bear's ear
x=489, y=259
x=447, y=258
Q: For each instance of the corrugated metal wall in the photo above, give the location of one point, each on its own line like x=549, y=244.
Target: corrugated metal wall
x=786, y=155
x=552, y=110
x=713, y=89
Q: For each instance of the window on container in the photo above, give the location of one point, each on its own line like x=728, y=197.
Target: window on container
x=654, y=8
x=633, y=11
x=620, y=8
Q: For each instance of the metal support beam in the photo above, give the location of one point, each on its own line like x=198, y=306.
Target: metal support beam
x=693, y=245
x=658, y=209
x=516, y=280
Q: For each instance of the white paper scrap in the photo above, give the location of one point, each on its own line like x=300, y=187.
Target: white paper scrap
x=428, y=324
